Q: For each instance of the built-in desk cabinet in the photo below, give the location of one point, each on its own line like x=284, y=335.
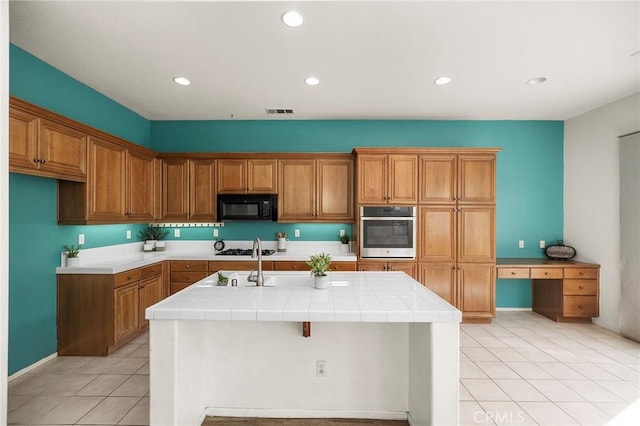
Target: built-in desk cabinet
x=564, y=291
x=98, y=313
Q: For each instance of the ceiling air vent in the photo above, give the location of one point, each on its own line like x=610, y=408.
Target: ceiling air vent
x=279, y=111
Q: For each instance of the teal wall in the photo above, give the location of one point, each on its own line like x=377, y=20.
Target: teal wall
x=530, y=176
x=35, y=239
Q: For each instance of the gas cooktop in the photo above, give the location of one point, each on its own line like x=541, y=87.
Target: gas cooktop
x=243, y=252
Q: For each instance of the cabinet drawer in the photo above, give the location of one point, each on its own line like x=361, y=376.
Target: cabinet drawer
x=343, y=266
x=546, y=273
x=188, y=265
x=290, y=266
x=513, y=272
x=174, y=288
x=187, y=276
x=580, y=287
x=586, y=273
x=579, y=306
x=151, y=271
x=127, y=277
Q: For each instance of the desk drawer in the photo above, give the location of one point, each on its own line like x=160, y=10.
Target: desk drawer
x=582, y=273
x=187, y=277
x=546, y=273
x=579, y=306
x=513, y=273
x=580, y=287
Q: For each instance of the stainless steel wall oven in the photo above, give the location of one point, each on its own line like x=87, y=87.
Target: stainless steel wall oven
x=388, y=231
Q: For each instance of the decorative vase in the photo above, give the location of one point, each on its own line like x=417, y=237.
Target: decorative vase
x=160, y=245
x=344, y=248
x=72, y=262
x=321, y=282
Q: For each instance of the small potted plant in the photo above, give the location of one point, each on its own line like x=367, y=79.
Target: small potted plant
x=151, y=236
x=72, y=253
x=222, y=279
x=344, y=247
x=158, y=235
x=320, y=264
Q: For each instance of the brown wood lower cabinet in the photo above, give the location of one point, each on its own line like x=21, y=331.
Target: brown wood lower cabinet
x=183, y=273
x=290, y=265
x=237, y=265
x=99, y=313
x=441, y=279
x=372, y=265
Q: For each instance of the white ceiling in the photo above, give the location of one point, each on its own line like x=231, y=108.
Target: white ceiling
x=374, y=59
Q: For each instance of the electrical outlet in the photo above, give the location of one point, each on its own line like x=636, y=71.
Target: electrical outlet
x=521, y=244
x=321, y=368
x=342, y=232
x=215, y=232
x=128, y=234
x=296, y=233
x=176, y=233
x=542, y=244
x=80, y=239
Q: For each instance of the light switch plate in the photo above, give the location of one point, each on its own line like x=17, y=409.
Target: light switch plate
x=176, y=233
x=521, y=244
x=296, y=233
x=542, y=244
x=215, y=232
x=80, y=239
x=128, y=234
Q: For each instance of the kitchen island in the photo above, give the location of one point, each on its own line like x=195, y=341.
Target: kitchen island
x=381, y=346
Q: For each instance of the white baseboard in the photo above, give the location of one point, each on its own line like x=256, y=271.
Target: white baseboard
x=32, y=367
x=513, y=309
x=309, y=414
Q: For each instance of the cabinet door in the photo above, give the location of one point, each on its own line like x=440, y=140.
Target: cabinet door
x=410, y=268
x=477, y=182
x=335, y=190
x=232, y=176
x=403, y=179
x=150, y=293
x=175, y=189
x=438, y=183
x=62, y=150
x=476, y=291
x=372, y=266
x=476, y=234
x=437, y=234
x=372, y=179
x=297, y=193
x=23, y=141
x=143, y=187
x=441, y=279
x=126, y=311
x=262, y=176
x=202, y=201
x=106, y=181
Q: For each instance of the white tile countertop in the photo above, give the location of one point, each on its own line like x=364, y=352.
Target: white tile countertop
x=123, y=257
x=290, y=296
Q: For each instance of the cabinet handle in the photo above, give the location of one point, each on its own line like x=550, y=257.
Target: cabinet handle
x=294, y=267
x=580, y=287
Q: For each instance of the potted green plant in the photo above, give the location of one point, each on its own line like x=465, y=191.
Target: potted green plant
x=72, y=253
x=320, y=264
x=344, y=247
x=159, y=234
x=222, y=279
x=151, y=236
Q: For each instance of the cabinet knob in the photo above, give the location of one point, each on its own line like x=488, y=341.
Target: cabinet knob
x=36, y=160
x=188, y=266
x=188, y=277
x=546, y=273
x=129, y=278
x=513, y=273
x=581, y=273
x=581, y=287
x=580, y=307
x=43, y=161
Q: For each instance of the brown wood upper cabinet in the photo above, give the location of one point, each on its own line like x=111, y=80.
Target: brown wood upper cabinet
x=42, y=147
x=315, y=190
x=121, y=186
x=188, y=189
x=451, y=178
x=251, y=176
x=386, y=178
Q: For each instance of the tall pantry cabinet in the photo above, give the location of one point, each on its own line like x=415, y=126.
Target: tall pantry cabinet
x=456, y=228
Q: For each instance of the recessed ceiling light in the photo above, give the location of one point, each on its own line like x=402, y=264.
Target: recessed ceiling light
x=312, y=81
x=441, y=81
x=535, y=81
x=182, y=81
x=292, y=19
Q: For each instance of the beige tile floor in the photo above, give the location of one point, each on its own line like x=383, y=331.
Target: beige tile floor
x=523, y=370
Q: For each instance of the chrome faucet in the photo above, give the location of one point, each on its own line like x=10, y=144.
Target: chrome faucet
x=258, y=278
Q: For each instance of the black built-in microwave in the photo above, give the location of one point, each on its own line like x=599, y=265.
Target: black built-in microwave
x=247, y=207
